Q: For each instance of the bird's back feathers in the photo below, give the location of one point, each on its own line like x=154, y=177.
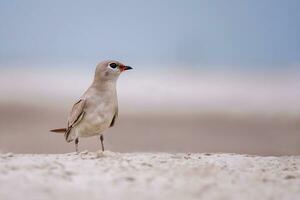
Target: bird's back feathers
x=75, y=116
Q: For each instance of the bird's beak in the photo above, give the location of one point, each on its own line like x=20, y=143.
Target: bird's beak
x=124, y=68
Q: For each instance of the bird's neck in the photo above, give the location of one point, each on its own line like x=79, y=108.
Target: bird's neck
x=106, y=85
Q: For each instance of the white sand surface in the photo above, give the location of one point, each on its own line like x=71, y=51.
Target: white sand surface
x=109, y=175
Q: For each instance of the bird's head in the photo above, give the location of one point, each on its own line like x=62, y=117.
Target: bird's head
x=110, y=70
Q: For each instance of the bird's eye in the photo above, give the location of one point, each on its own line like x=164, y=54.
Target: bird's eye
x=113, y=65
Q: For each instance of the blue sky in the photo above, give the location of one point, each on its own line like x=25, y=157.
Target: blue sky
x=200, y=32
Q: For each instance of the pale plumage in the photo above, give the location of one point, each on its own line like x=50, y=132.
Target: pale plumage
x=97, y=109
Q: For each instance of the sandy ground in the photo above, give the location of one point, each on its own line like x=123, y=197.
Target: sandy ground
x=108, y=175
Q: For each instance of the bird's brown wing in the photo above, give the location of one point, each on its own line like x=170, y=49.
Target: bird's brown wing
x=75, y=116
x=113, y=121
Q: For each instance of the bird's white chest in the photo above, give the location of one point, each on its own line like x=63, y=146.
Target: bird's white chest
x=98, y=116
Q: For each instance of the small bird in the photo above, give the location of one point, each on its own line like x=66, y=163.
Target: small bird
x=97, y=109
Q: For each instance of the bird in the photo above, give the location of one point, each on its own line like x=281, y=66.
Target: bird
x=97, y=109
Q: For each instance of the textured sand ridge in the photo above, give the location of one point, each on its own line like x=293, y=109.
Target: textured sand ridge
x=108, y=175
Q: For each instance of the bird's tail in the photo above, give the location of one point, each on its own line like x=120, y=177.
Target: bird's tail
x=59, y=130
x=65, y=131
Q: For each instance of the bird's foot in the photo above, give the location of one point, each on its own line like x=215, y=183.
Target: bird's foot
x=99, y=153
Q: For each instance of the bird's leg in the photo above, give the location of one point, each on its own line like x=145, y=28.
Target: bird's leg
x=102, y=139
x=76, y=144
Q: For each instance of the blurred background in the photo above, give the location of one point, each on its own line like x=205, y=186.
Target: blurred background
x=209, y=76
